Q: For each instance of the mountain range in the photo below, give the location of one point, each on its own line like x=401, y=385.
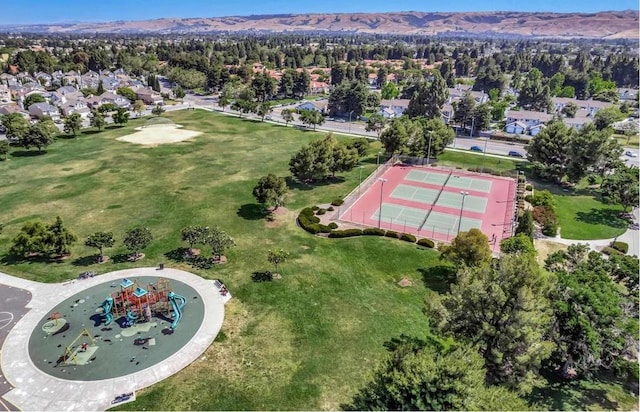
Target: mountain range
x=601, y=25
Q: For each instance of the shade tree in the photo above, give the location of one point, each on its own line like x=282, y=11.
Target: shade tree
x=136, y=240
x=72, y=124
x=271, y=190
x=219, y=241
x=100, y=241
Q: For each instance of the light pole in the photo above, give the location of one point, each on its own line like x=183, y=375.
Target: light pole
x=350, y=113
x=429, y=150
x=380, y=211
x=484, y=155
x=360, y=184
x=464, y=195
x=378, y=158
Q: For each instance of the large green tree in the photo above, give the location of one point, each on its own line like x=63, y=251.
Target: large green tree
x=271, y=190
x=59, y=239
x=73, y=123
x=40, y=134
x=502, y=308
x=100, y=240
x=428, y=99
x=17, y=126
x=121, y=116
x=320, y=159
x=548, y=150
x=96, y=120
x=468, y=248
x=534, y=94
x=621, y=187
x=376, y=123
x=33, y=98
x=5, y=147
x=136, y=239
x=219, y=242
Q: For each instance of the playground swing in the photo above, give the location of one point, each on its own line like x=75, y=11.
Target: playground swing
x=79, y=354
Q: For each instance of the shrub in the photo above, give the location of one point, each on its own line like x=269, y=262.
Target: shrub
x=311, y=223
x=337, y=202
x=373, y=231
x=315, y=208
x=407, y=237
x=332, y=225
x=265, y=276
x=546, y=216
x=345, y=233
x=611, y=251
x=543, y=198
x=620, y=246
x=426, y=243
x=528, y=187
x=321, y=211
x=391, y=233
x=330, y=209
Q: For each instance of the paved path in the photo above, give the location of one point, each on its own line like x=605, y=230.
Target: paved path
x=35, y=390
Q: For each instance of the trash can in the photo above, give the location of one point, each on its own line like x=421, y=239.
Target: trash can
x=161, y=266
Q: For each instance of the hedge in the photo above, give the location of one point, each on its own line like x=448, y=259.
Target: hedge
x=332, y=225
x=426, y=243
x=611, y=251
x=391, y=233
x=407, y=237
x=373, y=231
x=337, y=202
x=321, y=211
x=620, y=246
x=345, y=233
x=311, y=223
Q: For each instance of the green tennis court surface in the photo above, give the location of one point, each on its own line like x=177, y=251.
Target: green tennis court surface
x=412, y=217
x=446, y=199
x=457, y=182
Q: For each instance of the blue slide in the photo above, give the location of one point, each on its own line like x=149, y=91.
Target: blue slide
x=107, y=305
x=177, y=303
x=131, y=317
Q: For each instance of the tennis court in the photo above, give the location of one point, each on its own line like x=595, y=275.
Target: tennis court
x=425, y=221
x=451, y=180
x=439, y=198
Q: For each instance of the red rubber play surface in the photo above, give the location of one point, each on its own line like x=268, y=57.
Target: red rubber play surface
x=429, y=202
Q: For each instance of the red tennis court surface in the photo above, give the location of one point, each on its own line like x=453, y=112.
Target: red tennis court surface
x=429, y=202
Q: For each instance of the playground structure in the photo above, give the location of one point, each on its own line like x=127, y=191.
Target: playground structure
x=135, y=303
x=80, y=351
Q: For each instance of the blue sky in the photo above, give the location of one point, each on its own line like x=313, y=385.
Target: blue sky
x=48, y=11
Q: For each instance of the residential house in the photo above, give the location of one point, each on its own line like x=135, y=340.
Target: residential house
x=75, y=106
x=149, y=96
x=93, y=102
x=446, y=113
x=577, y=122
x=5, y=94
x=393, y=108
x=319, y=106
x=318, y=87
x=528, y=117
x=13, y=108
x=44, y=79
x=516, y=127
x=587, y=108
x=458, y=93
x=627, y=95
x=40, y=110
x=120, y=101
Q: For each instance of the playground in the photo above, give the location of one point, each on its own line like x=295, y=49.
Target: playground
x=436, y=203
x=116, y=328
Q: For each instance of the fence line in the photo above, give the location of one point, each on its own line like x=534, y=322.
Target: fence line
x=354, y=195
x=436, y=200
x=510, y=210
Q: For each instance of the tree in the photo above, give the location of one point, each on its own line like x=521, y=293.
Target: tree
x=570, y=109
x=73, y=123
x=606, y=117
x=548, y=150
x=33, y=98
x=106, y=108
x=311, y=117
x=136, y=239
x=16, y=125
x=589, y=149
x=376, y=123
x=348, y=99
x=525, y=224
x=276, y=257
x=31, y=240
x=157, y=110
x=428, y=376
x=428, y=99
x=58, y=238
x=264, y=109
x=194, y=235
x=139, y=106
x=100, y=240
x=468, y=248
x=314, y=161
x=344, y=158
x=227, y=94
x=121, y=116
x=40, y=134
x=590, y=329
x=395, y=137
x=534, y=95
x=100, y=88
x=178, y=92
x=219, y=242
x=271, y=189
x=621, y=187
x=287, y=116
x=520, y=243
x=4, y=149
x=128, y=93
x=463, y=113
x=502, y=309
x=97, y=120
x=389, y=91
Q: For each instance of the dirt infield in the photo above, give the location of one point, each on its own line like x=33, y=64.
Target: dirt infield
x=154, y=135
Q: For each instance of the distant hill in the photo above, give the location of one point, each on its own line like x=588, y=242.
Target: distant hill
x=601, y=25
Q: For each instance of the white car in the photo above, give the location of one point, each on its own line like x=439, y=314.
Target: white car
x=630, y=154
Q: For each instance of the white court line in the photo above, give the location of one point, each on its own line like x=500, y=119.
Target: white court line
x=4, y=322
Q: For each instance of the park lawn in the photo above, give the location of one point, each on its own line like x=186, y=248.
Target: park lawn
x=471, y=160
x=627, y=141
x=307, y=341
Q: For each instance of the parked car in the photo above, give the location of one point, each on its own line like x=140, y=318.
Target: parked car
x=630, y=154
x=475, y=149
x=515, y=154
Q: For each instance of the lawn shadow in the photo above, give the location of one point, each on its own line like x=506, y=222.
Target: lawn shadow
x=90, y=132
x=295, y=184
x=28, y=153
x=438, y=278
x=177, y=255
x=85, y=260
x=252, y=211
x=607, y=217
x=14, y=260
x=120, y=258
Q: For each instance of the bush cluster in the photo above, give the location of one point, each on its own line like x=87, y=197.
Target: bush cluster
x=391, y=233
x=321, y=211
x=607, y=250
x=407, y=237
x=345, y=233
x=528, y=187
x=492, y=172
x=311, y=223
x=373, y=231
x=546, y=216
x=426, y=243
x=620, y=246
x=265, y=276
x=337, y=202
x=332, y=225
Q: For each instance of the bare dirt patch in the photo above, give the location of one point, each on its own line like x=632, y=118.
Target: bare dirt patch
x=154, y=135
x=546, y=247
x=278, y=217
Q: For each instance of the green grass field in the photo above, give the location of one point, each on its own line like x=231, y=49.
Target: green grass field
x=307, y=341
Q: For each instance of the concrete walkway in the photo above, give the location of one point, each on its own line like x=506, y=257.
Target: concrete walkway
x=631, y=237
x=35, y=390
